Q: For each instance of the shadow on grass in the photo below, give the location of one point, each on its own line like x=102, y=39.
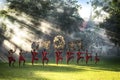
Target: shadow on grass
x=29, y=71
x=106, y=63
x=47, y=67
x=18, y=73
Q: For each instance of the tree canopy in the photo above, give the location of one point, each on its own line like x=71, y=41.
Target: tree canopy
x=111, y=23
x=63, y=13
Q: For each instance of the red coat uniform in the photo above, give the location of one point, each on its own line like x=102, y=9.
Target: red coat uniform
x=34, y=56
x=58, y=56
x=88, y=57
x=96, y=59
x=79, y=56
x=21, y=58
x=10, y=57
x=44, y=57
x=69, y=56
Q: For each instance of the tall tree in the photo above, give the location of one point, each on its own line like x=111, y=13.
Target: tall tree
x=63, y=12
x=111, y=23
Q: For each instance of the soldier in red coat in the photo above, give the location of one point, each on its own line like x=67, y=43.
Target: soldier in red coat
x=69, y=56
x=79, y=56
x=34, y=56
x=11, y=59
x=21, y=57
x=88, y=56
x=44, y=57
x=58, y=56
x=96, y=58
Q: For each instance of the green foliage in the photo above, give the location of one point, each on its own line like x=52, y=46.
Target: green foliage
x=111, y=24
x=3, y=13
x=35, y=8
x=64, y=12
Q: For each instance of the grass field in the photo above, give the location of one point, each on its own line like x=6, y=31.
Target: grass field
x=104, y=70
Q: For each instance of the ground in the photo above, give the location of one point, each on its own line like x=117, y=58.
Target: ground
x=106, y=69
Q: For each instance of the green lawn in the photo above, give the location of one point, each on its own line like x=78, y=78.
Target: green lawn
x=104, y=70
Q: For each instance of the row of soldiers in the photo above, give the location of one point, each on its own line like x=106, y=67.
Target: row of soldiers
x=59, y=44
x=58, y=56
